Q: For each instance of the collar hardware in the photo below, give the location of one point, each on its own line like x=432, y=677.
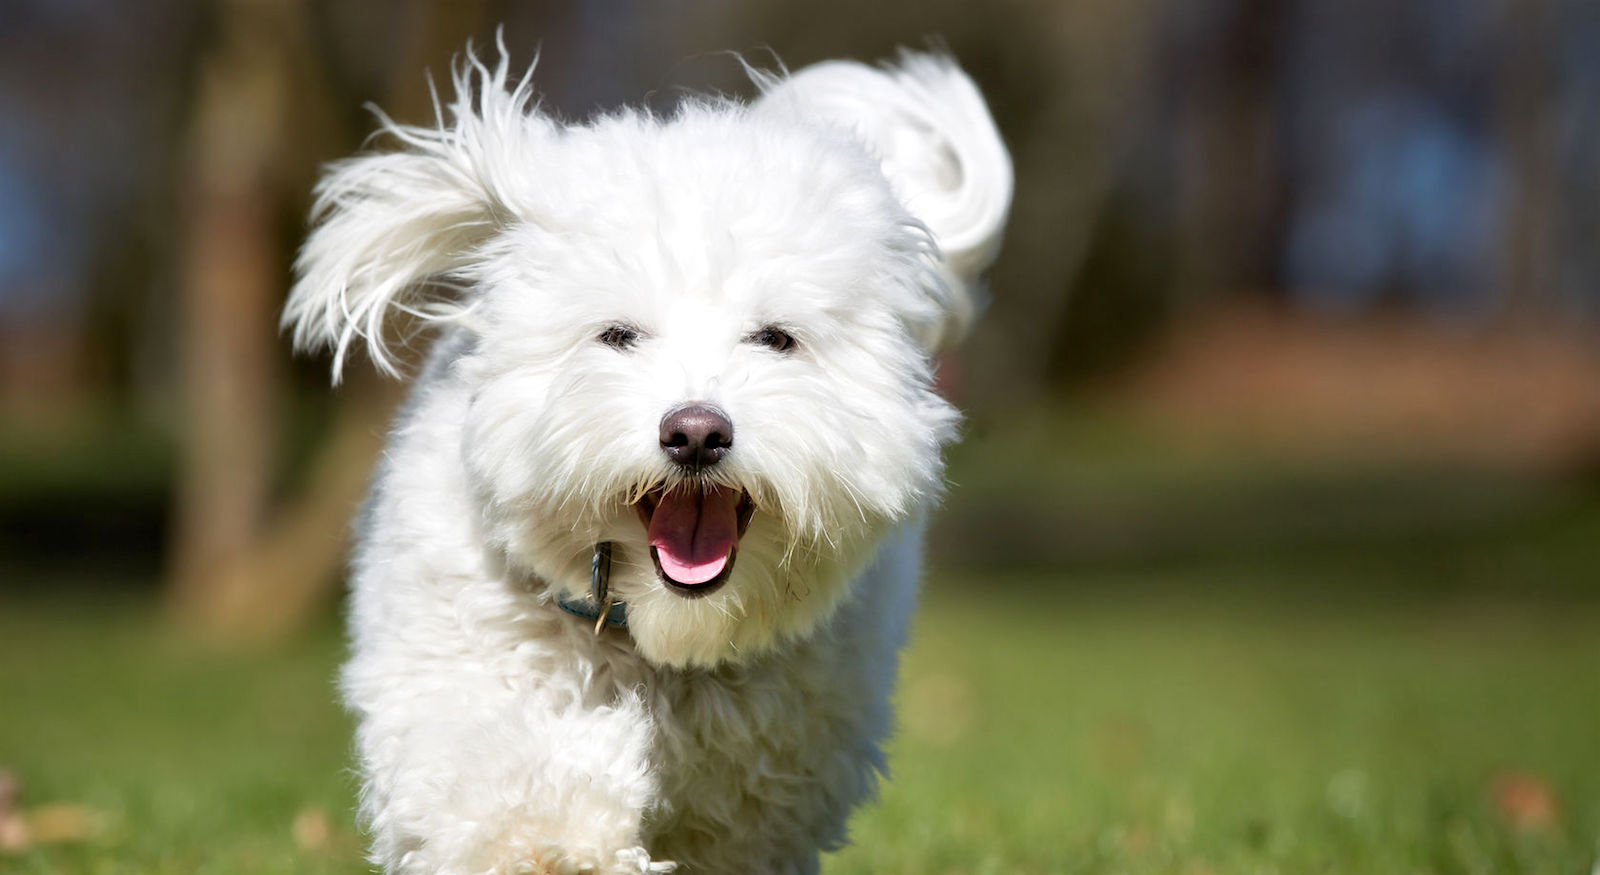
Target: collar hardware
x=600, y=607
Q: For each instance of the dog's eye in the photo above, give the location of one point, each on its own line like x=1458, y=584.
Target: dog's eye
x=619, y=337
x=773, y=338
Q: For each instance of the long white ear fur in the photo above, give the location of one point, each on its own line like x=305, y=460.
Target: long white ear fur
x=390, y=227
x=928, y=125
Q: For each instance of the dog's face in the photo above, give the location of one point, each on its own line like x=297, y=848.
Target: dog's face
x=705, y=340
x=708, y=363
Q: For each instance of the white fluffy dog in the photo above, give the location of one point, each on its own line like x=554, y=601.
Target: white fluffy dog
x=634, y=572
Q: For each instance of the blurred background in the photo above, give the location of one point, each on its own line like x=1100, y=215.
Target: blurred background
x=1278, y=509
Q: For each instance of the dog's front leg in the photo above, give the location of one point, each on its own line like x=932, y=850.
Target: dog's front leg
x=484, y=775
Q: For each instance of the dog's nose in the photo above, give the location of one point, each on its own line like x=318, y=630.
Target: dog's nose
x=696, y=436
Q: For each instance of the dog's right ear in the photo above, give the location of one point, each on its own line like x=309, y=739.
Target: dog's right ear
x=930, y=130
x=394, y=231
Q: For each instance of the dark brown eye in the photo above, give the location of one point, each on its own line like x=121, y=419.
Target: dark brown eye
x=619, y=337
x=773, y=338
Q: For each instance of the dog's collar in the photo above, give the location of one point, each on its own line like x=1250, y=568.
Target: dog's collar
x=616, y=618
x=600, y=606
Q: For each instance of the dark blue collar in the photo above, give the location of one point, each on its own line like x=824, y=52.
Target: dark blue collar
x=616, y=618
x=599, y=607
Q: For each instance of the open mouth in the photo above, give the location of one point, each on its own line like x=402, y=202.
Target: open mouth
x=694, y=534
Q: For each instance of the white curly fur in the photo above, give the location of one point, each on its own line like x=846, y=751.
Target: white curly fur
x=853, y=207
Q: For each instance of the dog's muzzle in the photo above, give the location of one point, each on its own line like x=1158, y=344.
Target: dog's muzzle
x=693, y=530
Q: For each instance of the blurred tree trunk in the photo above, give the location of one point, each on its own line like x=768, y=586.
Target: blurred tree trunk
x=1100, y=60
x=231, y=268
x=287, y=570
x=1528, y=127
x=1229, y=181
x=243, y=566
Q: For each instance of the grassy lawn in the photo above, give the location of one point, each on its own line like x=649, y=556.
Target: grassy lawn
x=1188, y=734
x=1205, y=724
x=171, y=759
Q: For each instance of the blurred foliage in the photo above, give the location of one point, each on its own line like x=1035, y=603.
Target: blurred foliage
x=1173, y=160
x=1082, y=485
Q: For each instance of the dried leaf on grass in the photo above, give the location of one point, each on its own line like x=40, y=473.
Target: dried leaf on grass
x=1526, y=802
x=311, y=829
x=64, y=822
x=21, y=829
x=14, y=834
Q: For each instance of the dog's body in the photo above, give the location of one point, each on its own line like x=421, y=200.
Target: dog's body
x=701, y=348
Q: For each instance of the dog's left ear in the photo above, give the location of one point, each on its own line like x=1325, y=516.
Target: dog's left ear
x=930, y=128
x=394, y=231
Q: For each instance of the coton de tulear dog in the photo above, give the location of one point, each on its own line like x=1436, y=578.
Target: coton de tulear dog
x=639, y=557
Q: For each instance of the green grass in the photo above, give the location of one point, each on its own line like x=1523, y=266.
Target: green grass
x=1183, y=733
x=189, y=761
x=1336, y=711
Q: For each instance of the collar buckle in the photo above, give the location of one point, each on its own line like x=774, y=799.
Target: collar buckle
x=600, y=607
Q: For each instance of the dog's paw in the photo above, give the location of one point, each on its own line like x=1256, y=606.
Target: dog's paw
x=628, y=861
x=637, y=860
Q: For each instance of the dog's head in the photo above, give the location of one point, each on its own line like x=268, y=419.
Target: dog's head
x=707, y=339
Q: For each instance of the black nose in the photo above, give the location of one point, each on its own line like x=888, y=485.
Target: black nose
x=696, y=436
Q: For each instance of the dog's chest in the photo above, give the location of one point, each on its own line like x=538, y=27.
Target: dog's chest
x=764, y=759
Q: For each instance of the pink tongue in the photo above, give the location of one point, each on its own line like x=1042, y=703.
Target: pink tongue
x=694, y=533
